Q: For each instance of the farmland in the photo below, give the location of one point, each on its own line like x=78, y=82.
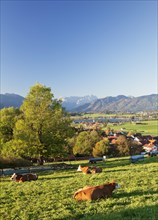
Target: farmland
x=145, y=127
x=51, y=196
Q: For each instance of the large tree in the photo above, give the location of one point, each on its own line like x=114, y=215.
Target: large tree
x=8, y=118
x=85, y=142
x=123, y=145
x=101, y=148
x=44, y=126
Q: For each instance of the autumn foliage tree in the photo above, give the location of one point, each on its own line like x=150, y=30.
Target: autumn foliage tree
x=101, y=148
x=123, y=146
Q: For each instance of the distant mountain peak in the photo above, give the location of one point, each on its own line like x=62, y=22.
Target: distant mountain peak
x=120, y=103
x=75, y=101
x=91, y=104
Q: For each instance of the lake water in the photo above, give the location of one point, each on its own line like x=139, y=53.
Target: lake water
x=102, y=120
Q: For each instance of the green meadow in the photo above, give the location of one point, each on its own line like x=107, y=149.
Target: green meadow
x=51, y=196
x=146, y=128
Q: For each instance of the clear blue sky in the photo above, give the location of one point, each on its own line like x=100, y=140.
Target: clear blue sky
x=78, y=48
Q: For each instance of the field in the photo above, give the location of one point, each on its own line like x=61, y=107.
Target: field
x=146, y=128
x=51, y=196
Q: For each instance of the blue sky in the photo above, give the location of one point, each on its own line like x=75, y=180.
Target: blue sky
x=78, y=48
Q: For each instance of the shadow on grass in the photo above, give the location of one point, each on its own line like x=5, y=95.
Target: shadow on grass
x=134, y=193
x=5, y=180
x=126, y=161
x=56, y=177
x=117, y=170
x=139, y=213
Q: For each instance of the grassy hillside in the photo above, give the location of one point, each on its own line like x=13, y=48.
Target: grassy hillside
x=51, y=196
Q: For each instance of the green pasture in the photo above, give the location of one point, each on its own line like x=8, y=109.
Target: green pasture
x=146, y=128
x=51, y=196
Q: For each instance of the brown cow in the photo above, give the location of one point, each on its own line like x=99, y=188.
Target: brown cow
x=95, y=192
x=85, y=170
x=96, y=170
x=89, y=170
x=24, y=177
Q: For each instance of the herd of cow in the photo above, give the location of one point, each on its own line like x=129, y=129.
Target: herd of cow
x=85, y=193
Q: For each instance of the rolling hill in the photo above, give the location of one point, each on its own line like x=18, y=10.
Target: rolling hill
x=10, y=100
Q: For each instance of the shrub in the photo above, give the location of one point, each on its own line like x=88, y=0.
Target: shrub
x=14, y=162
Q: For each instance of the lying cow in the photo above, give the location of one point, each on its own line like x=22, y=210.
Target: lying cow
x=24, y=177
x=85, y=170
x=95, y=192
x=96, y=170
x=89, y=170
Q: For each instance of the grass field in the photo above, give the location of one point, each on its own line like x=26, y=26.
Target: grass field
x=148, y=128
x=51, y=196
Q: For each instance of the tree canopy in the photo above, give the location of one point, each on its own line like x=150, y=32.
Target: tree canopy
x=85, y=142
x=101, y=148
x=43, y=127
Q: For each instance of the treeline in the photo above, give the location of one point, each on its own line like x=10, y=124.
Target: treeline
x=42, y=128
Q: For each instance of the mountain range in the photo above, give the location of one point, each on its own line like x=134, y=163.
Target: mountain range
x=92, y=104
x=10, y=100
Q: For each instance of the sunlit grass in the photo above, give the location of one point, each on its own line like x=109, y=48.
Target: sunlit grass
x=51, y=196
x=148, y=128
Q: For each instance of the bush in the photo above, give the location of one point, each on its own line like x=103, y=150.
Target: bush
x=14, y=162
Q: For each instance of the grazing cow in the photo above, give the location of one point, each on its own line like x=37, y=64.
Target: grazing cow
x=24, y=177
x=89, y=170
x=95, y=192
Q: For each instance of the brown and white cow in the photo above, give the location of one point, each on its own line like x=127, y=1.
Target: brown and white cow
x=89, y=170
x=96, y=170
x=84, y=170
x=95, y=192
x=24, y=177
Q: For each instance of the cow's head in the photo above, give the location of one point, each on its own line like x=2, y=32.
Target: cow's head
x=79, y=195
x=117, y=186
x=13, y=177
x=114, y=185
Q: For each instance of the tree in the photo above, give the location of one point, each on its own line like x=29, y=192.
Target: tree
x=85, y=142
x=8, y=118
x=44, y=126
x=94, y=137
x=108, y=130
x=101, y=148
x=135, y=147
x=123, y=146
